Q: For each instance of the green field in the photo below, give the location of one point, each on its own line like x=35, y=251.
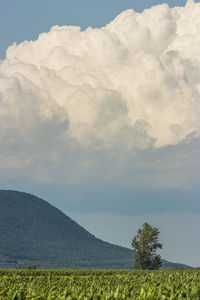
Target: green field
x=99, y=284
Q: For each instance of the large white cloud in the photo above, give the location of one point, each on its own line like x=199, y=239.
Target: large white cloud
x=72, y=96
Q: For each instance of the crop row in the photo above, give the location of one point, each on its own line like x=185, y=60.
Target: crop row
x=99, y=284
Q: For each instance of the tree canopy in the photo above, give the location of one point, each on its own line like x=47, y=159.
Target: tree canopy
x=145, y=243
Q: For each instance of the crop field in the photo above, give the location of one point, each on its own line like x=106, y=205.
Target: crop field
x=99, y=284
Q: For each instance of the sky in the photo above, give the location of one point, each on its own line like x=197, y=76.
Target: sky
x=99, y=114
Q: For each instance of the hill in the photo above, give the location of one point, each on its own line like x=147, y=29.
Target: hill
x=34, y=232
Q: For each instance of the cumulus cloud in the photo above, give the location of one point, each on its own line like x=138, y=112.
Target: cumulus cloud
x=73, y=99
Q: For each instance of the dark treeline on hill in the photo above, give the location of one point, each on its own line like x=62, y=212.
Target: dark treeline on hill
x=34, y=232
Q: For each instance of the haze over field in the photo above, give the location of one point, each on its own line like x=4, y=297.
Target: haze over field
x=104, y=122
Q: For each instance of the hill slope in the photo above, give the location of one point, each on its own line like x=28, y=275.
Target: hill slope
x=34, y=232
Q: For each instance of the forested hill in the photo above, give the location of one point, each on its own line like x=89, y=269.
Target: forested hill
x=34, y=232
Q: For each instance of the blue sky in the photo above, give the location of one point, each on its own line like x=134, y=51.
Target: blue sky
x=104, y=124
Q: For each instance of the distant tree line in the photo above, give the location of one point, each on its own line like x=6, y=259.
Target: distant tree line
x=31, y=267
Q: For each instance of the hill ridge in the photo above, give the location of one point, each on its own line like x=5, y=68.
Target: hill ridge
x=33, y=231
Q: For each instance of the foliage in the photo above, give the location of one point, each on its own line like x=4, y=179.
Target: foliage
x=145, y=243
x=99, y=284
x=31, y=267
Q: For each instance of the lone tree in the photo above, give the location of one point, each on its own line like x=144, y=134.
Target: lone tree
x=145, y=243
